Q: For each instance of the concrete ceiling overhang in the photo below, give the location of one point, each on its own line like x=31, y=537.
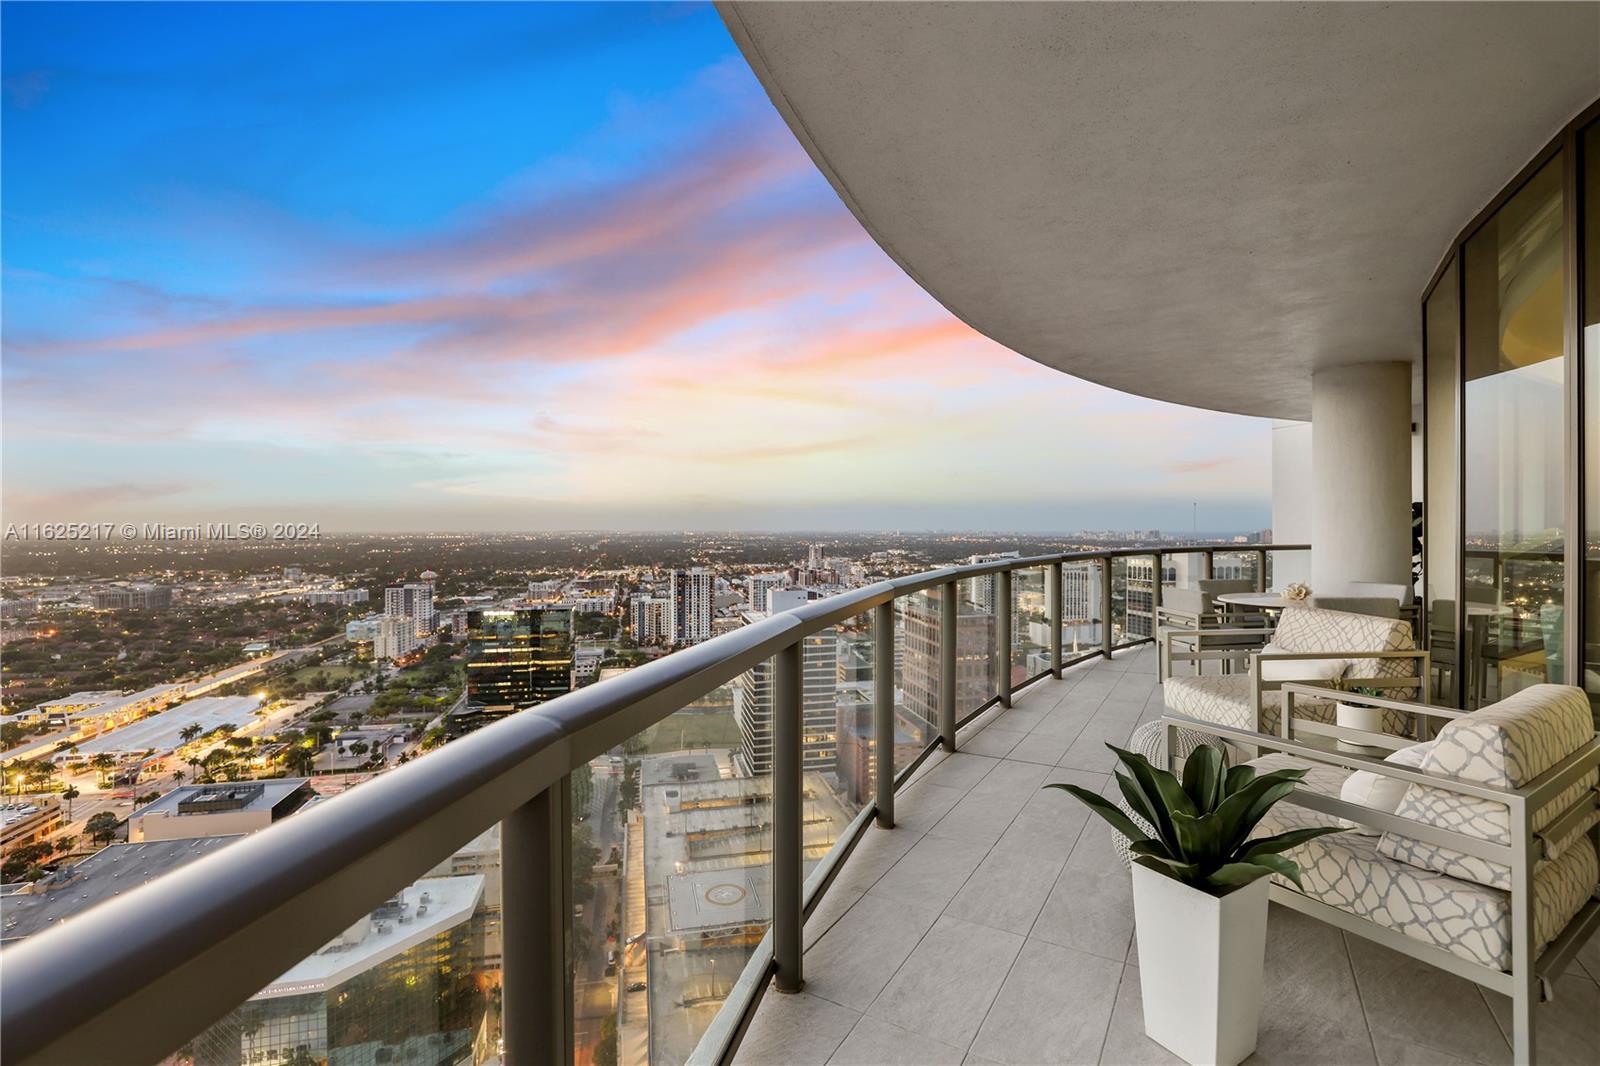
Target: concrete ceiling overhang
x=1194, y=202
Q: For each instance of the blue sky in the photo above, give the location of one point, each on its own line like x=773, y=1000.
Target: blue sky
x=500, y=266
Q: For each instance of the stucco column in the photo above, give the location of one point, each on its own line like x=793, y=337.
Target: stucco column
x=1361, y=476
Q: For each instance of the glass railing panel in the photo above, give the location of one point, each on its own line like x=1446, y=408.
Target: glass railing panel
x=1080, y=607
x=415, y=980
x=977, y=630
x=1183, y=569
x=1239, y=567
x=1029, y=654
x=917, y=668
x=677, y=835
x=1119, y=598
x=1139, y=607
x=841, y=737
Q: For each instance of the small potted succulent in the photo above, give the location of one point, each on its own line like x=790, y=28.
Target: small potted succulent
x=1200, y=894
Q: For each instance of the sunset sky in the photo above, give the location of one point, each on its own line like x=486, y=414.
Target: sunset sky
x=502, y=267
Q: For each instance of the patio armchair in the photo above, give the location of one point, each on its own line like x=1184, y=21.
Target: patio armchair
x=1189, y=609
x=1477, y=852
x=1308, y=644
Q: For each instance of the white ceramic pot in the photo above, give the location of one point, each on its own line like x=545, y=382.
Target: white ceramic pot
x=1367, y=719
x=1200, y=963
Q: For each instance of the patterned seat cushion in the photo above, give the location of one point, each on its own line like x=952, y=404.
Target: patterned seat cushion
x=1225, y=700
x=1465, y=918
x=1506, y=745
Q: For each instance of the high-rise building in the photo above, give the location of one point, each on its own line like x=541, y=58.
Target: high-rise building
x=517, y=658
x=393, y=636
x=982, y=590
x=650, y=618
x=816, y=557
x=752, y=702
x=975, y=679
x=756, y=587
x=693, y=593
x=413, y=600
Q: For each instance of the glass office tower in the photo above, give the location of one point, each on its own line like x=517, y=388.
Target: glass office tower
x=517, y=658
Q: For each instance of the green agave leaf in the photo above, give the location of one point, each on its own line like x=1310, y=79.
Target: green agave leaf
x=1238, y=777
x=1279, y=864
x=1105, y=809
x=1146, y=849
x=1203, y=774
x=1203, y=840
x=1166, y=794
x=1284, y=841
x=1235, y=874
x=1142, y=804
x=1245, y=808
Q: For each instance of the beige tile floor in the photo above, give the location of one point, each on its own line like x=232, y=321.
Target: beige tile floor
x=993, y=924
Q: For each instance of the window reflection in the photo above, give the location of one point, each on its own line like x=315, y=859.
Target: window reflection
x=1515, y=502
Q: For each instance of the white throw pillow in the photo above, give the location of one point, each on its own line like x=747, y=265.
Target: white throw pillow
x=1381, y=793
x=1299, y=669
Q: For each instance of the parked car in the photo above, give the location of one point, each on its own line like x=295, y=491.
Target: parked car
x=637, y=986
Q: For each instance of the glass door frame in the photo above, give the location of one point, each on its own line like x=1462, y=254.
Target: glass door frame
x=1568, y=145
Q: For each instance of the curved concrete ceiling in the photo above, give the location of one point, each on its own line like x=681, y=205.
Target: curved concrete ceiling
x=1195, y=202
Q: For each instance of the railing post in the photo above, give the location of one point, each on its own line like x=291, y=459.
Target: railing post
x=1055, y=594
x=1155, y=594
x=1107, y=641
x=1208, y=563
x=883, y=709
x=788, y=869
x=1261, y=570
x=1002, y=608
x=536, y=913
x=949, y=605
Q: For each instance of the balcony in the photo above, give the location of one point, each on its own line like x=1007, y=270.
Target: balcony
x=994, y=924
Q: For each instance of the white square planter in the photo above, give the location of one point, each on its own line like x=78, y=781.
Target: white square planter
x=1366, y=719
x=1200, y=963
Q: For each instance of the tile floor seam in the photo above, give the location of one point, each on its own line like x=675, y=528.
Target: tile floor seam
x=1355, y=983
x=1507, y=1037
x=1112, y=1014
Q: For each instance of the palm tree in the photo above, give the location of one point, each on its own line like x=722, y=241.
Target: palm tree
x=69, y=794
x=105, y=762
x=189, y=732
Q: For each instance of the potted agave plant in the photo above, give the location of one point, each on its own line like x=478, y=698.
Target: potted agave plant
x=1200, y=895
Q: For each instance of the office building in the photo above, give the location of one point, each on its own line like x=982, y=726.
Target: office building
x=135, y=597
x=228, y=809
x=517, y=658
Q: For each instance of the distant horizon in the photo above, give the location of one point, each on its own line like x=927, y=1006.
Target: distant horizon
x=579, y=275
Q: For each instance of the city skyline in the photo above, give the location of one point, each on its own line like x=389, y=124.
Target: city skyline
x=504, y=268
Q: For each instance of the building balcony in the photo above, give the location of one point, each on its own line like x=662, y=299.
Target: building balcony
x=994, y=924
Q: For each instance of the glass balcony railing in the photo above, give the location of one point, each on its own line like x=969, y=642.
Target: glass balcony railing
x=613, y=877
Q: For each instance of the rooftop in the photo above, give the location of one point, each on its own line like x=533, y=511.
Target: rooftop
x=994, y=924
x=422, y=910
x=107, y=873
x=217, y=798
x=163, y=731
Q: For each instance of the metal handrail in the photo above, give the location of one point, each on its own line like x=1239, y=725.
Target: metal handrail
x=134, y=977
